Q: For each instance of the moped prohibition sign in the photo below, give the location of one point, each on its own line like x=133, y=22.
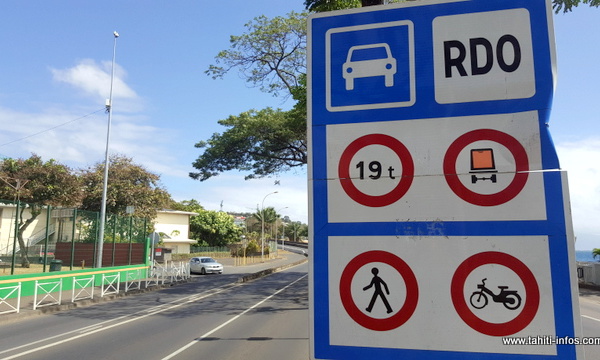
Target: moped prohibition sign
x=532, y=299
x=408, y=170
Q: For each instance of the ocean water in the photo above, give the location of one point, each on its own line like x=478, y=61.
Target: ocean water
x=585, y=255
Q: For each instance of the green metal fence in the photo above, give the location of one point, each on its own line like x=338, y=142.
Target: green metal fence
x=32, y=234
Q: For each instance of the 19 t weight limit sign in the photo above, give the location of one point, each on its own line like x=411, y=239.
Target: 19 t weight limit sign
x=392, y=152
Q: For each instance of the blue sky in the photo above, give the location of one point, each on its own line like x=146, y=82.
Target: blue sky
x=55, y=69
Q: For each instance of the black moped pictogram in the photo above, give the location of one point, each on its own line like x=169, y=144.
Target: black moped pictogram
x=509, y=298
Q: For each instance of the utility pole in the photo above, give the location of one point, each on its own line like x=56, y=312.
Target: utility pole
x=106, y=160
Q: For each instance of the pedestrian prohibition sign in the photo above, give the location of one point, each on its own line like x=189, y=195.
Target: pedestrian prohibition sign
x=412, y=291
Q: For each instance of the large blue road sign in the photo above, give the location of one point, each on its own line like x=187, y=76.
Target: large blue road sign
x=440, y=223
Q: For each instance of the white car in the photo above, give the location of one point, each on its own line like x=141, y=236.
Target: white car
x=368, y=61
x=205, y=265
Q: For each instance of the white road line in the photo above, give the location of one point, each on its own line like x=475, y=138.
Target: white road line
x=161, y=307
x=195, y=341
x=591, y=318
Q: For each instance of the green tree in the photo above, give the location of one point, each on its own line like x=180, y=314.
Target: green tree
x=37, y=183
x=568, y=5
x=129, y=184
x=215, y=228
x=329, y=5
x=270, y=55
x=595, y=252
x=296, y=230
x=265, y=142
x=269, y=215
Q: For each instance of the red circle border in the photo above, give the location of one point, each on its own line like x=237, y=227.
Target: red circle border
x=408, y=170
x=412, y=291
x=511, y=191
x=532, y=299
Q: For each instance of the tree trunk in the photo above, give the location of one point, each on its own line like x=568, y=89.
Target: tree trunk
x=22, y=227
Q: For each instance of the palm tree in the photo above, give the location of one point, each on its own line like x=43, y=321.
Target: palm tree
x=293, y=229
x=595, y=252
x=270, y=216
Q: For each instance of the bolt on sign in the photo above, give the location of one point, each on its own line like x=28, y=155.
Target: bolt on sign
x=440, y=221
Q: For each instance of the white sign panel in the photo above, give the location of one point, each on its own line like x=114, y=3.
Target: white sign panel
x=387, y=289
x=390, y=171
x=472, y=51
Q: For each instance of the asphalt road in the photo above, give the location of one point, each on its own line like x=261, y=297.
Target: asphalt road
x=208, y=318
x=589, y=305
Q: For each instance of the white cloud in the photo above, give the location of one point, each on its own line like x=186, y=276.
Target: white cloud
x=580, y=160
x=66, y=134
x=79, y=143
x=239, y=195
x=94, y=80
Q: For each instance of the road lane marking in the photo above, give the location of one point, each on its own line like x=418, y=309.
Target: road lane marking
x=591, y=318
x=139, y=315
x=197, y=340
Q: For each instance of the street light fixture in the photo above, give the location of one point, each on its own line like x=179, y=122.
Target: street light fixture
x=262, y=232
x=105, y=183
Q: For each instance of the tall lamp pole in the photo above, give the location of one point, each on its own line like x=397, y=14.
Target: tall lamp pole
x=276, y=239
x=105, y=183
x=262, y=231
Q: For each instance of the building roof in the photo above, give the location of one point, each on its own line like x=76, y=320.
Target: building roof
x=179, y=240
x=177, y=212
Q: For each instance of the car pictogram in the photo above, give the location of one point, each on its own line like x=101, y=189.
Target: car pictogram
x=369, y=61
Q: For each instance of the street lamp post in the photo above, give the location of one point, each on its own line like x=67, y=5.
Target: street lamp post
x=283, y=236
x=262, y=232
x=276, y=239
x=106, y=160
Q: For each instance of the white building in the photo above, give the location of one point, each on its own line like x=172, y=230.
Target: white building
x=59, y=227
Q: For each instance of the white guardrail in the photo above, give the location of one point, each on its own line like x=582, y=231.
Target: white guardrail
x=47, y=293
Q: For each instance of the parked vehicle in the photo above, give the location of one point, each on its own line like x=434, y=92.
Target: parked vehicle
x=205, y=265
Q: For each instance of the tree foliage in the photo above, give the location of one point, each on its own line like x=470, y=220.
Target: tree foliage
x=215, y=228
x=37, y=183
x=268, y=215
x=271, y=55
x=329, y=5
x=129, y=184
x=265, y=142
x=568, y=5
x=295, y=230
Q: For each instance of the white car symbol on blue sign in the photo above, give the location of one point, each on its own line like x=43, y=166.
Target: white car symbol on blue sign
x=367, y=61
x=370, y=66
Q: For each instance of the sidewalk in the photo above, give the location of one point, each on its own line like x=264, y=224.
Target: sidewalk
x=246, y=273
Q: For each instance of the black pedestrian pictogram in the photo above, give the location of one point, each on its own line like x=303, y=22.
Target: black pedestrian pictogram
x=377, y=282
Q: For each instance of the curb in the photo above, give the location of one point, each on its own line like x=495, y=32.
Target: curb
x=270, y=271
